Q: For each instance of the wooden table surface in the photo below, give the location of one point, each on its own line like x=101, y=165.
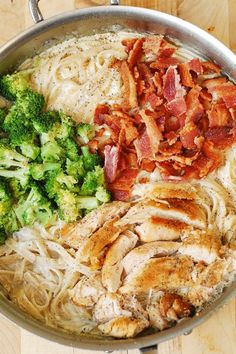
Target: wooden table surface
x=218, y=334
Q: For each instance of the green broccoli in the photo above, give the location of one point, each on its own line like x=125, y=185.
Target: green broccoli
x=103, y=195
x=36, y=207
x=11, y=158
x=71, y=148
x=87, y=203
x=67, y=203
x=11, y=224
x=30, y=150
x=76, y=169
x=12, y=85
x=52, y=152
x=5, y=200
x=30, y=103
x=20, y=130
x=86, y=132
x=8, y=222
x=57, y=180
x=16, y=188
x=92, y=181
x=38, y=170
x=44, y=122
x=90, y=160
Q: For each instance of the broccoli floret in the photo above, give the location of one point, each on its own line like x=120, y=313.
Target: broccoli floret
x=21, y=174
x=30, y=150
x=67, y=203
x=36, y=207
x=71, y=148
x=76, y=169
x=11, y=223
x=60, y=130
x=5, y=200
x=30, y=103
x=12, y=85
x=92, y=181
x=8, y=223
x=44, y=122
x=88, y=203
x=90, y=160
x=16, y=188
x=57, y=180
x=20, y=130
x=52, y=152
x=85, y=131
x=11, y=158
x=103, y=195
x=38, y=170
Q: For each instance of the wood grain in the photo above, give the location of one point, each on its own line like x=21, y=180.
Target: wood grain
x=218, y=334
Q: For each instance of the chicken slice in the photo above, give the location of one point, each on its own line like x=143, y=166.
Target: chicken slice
x=168, y=273
x=123, y=327
x=201, y=246
x=156, y=228
x=109, y=306
x=113, y=267
x=87, y=291
x=168, y=309
x=209, y=280
x=185, y=211
x=139, y=255
x=168, y=190
x=93, y=249
x=73, y=234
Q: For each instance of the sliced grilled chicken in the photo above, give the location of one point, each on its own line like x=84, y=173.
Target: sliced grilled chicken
x=123, y=327
x=168, y=190
x=169, y=273
x=185, y=211
x=109, y=306
x=138, y=256
x=201, y=246
x=160, y=229
x=208, y=280
x=113, y=267
x=88, y=290
x=93, y=249
x=73, y=234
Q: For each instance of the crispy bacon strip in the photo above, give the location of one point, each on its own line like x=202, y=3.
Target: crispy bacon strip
x=135, y=52
x=112, y=157
x=130, y=94
x=219, y=115
x=171, y=85
x=143, y=147
x=177, y=107
x=153, y=131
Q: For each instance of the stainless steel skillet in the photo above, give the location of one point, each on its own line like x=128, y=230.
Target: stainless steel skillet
x=98, y=20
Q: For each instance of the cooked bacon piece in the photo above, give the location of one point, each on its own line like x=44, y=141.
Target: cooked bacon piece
x=168, y=170
x=112, y=157
x=171, y=124
x=93, y=145
x=210, y=83
x=210, y=151
x=205, y=99
x=177, y=107
x=164, y=63
x=143, y=147
x=166, y=52
x=204, y=165
x=233, y=113
x=220, y=136
x=169, y=150
x=153, y=131
x=209, y=67
x=130, y=94
x=125, y=180
x=100, y=110
x=154, y=100
x=135, y=52
x=171, y=85
x=148, y=165
x=152, y=45
x=128, y=43
x=120, y=195
x=157, y=80
x=194, y=107
x=225, y=91
x=129, y=130
x=219, y=115
x=185, y=74
x=187, y=135
x=132, y=160
x=147, y=77
x=171, y=137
